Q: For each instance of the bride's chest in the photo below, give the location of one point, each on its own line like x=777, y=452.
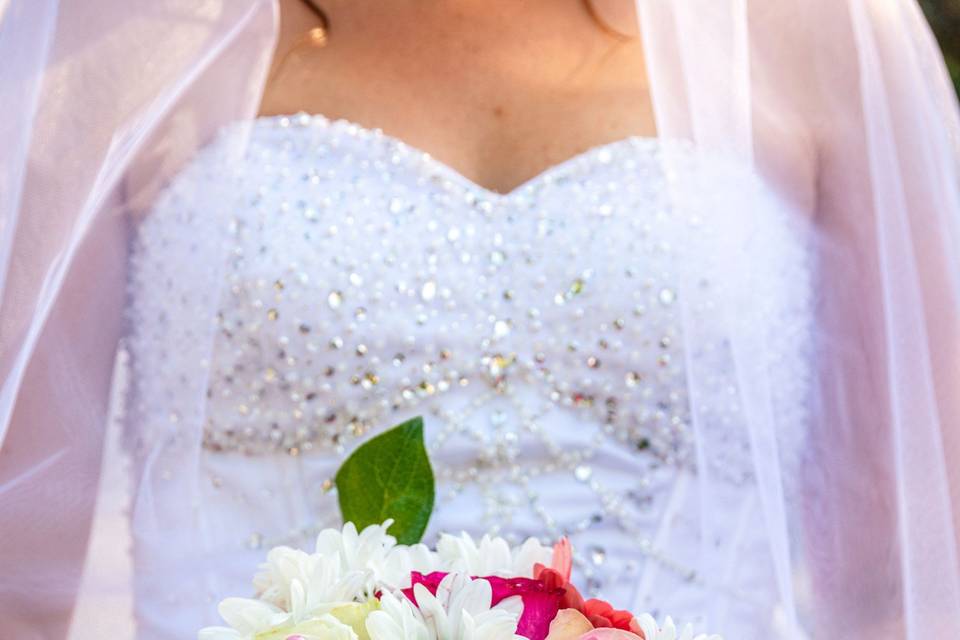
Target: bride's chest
x=345, y=276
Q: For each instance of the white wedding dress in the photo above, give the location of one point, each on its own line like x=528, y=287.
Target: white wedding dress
x=333, y=282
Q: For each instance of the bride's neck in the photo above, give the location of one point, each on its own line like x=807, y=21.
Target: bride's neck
x=498, y=95
x=551, y=41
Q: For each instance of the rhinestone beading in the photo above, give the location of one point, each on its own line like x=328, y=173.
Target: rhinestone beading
x=320, y=349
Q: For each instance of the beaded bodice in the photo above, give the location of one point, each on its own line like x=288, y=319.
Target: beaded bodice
x=360, y=281
x=394, y=287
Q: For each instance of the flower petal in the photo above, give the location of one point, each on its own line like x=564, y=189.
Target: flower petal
x=569, y=624
x=250, y=616
x=562, y=561
x=609, y=633
x=219, y=633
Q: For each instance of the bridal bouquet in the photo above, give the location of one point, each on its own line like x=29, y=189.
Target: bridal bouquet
x=369, y=584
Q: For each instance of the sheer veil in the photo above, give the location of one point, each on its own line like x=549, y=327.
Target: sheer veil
x=843, y=107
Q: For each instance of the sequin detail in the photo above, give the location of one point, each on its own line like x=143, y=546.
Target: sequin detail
x=355, y=324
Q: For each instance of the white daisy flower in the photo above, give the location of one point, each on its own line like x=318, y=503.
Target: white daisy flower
x=492, y=556
x=356, y=551
x=401, y=560
x=397, y=619
x=256, y=620
x=282, y=566
x=321, y=580
x=461, y=611
x=375, y=551
x=653, y=631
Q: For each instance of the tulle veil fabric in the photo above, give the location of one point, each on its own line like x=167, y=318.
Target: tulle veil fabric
x=842, y=106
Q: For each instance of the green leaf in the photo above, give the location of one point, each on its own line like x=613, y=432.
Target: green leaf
x=389, y=476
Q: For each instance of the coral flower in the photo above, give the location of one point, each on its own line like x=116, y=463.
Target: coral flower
x=600, y=613
x=562, y=560
x=573, y=625
x=571, y=598
x=557, y=575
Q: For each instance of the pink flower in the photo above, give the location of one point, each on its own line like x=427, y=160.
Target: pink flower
x=557, y=575
x=610, y=634
x=562, y=560
x=600, y=613
x=431, y=581
x=540, y=601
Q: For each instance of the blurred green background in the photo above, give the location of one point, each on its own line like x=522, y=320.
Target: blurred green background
x=944, y=15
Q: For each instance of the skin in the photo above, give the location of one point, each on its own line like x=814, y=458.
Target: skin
x=499, y=94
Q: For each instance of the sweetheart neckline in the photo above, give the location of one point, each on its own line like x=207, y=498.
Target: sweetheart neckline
x=589, y=155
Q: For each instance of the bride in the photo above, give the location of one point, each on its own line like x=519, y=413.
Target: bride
x=678, y=281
